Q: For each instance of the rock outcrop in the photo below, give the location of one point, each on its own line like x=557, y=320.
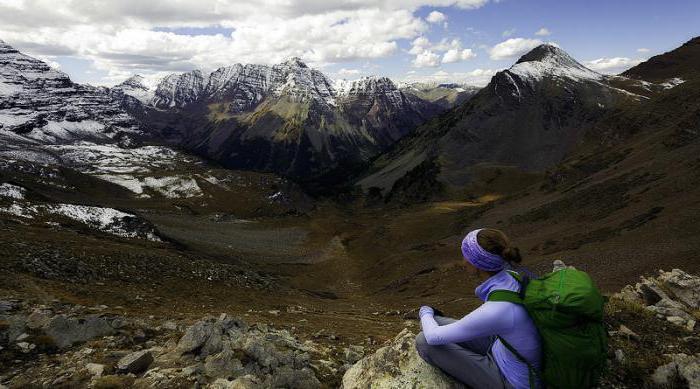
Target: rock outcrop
x=76, y=349
x=396, y=366
x=673, y=296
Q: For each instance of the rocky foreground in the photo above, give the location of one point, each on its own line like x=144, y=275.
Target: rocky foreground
x=59, y=345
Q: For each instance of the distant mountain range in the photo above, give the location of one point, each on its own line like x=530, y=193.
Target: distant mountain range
x=419, y=139
x=287, y=118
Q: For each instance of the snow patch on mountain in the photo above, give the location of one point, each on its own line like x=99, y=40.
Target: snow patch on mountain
x=674, y=82
x=172, y=187
x=138, y=88
x=12, y=191
x=107, y=220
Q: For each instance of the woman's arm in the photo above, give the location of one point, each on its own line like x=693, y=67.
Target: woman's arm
x=489, y=319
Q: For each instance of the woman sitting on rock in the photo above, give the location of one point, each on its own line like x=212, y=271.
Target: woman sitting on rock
x=470, y=349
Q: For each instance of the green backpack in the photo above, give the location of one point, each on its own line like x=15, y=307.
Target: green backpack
x=567, y=309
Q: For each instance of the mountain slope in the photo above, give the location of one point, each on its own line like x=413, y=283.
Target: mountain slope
x=528, y=117
x=41, y=104
x=66, y=142
x=287, y=118
x=680, y=63
x=446, y=96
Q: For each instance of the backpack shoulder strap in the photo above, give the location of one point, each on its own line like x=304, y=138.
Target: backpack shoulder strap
x=533, y=374
x=505, y=295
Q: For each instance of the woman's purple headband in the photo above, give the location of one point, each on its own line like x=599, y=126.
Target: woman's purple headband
x=479, y=257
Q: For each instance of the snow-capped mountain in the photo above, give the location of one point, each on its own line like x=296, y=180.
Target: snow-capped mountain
x=529, y=116
x=60, y=135
x=287, y=118
x=43, y=104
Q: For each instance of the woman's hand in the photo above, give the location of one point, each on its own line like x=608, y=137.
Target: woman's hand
x=425, y=310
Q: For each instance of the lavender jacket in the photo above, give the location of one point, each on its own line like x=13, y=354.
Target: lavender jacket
x=507, y=320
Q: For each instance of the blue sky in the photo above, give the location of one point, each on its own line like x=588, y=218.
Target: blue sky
x=421, y=40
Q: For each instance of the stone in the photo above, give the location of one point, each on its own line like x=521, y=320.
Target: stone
x=685, y=287
x=288, y=377
x=244, y=382
x=223, y=365
x=38, y=319
x=170, y=325
x=65, y=331
x=620, y=356
x=191, y=370
x=353, y=353
x=135, y=362
x=679, y=321
x=95, y=369
x=690, y=325
x=683, y=365
x=624, y=330
x=26, y=347
x=195, y=336
x=397, y=365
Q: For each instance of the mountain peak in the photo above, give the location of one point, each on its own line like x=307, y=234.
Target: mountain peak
x=294, y=62
x=5, y=48
x=544, y=52
x=548, y=60
x=135, y=80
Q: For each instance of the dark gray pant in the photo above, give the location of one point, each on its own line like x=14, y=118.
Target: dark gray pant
x=468, y=362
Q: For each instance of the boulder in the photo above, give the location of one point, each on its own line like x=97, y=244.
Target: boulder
x=684, y=366
x=223, y=365
x=245, y=382
x=195, y=336
x=397, y=365
x=95, y=369
x=66, y=331
x=685, y=287
x=288, y=377
x=135, y=362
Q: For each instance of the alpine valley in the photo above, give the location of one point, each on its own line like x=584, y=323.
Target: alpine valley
x=317, y=215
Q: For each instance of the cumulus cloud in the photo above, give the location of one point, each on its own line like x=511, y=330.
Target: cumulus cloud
x=129, y=36
x=455, y=55
x=613, y=65
x=426, y=59
x=543, y=32
x=643, y=50
x=436, y=17
x=427, y=53
x=513, y=47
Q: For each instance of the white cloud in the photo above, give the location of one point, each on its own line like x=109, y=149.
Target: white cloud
x=455, y=55
x=513, y=47
x=427, y=53
x=436, y=17
x=613, y=65
x=348, y=72
x=426, y=59
x=543, y=32
x=508, y=33
x=121, y=37
x=643, y=50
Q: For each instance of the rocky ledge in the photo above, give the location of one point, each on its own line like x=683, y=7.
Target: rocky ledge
x=40, y=347
x=63, y=345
